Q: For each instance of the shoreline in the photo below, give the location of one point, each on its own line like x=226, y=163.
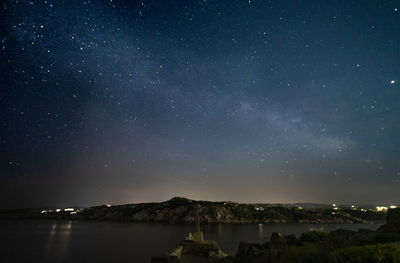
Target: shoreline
x=182, y=211
x=189, y=223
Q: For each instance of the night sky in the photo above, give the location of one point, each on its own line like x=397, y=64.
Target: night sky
x=251, y=101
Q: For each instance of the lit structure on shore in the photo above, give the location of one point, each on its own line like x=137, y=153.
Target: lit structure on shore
x=381, y=208
x=194, y=245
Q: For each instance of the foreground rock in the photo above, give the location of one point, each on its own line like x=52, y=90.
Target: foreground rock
x=381, y=246
x=392, y=222
x=191, y=251
x=194, y=249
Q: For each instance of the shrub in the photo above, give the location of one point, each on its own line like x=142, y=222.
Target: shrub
x=313, y=236
x=367, y=254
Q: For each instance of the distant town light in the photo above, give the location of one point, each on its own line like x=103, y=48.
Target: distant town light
x=381, y=208
x=108, y=205
x=68, y=209
x=333, y=204
x=363, y=210
x=73, y=213
x=393, y=206
x=43, y=211
x=58, y=210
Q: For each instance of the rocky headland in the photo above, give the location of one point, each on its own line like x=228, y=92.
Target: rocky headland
x=180, y=210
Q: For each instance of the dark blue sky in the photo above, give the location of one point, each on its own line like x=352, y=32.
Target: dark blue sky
x=251, y=101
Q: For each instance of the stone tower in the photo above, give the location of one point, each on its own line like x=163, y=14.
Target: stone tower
x=198, y=235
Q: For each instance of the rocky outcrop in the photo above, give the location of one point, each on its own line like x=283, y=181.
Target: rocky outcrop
x=192, y=251
x=392, y=222
x=247, y=250
x=393, y=216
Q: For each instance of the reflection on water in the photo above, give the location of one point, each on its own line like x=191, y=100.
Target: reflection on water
x=313, y=228
x=260, y=232
x=56, y=246
x=106, y=242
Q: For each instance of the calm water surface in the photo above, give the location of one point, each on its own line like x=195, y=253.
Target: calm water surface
x=113, y=242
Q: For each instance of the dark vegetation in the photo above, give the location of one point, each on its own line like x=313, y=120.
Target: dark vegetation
x=363, y=246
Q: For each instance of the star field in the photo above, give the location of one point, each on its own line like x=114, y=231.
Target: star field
x=251, y=101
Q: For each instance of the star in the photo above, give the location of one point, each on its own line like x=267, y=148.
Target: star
x=125, y=85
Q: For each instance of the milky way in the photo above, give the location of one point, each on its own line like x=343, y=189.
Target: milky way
x=251, y=101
